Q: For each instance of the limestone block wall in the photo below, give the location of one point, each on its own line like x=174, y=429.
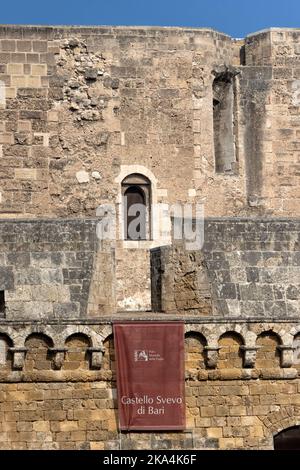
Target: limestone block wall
x=180, y=282
x=82, y=103
x=54, y=269
x=59, y=269
x=276, y=53
x=242, y=387
x=133, y=279
x=82, y=109
x=247, y=269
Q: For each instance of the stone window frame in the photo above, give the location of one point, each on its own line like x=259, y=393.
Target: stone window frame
x=226, y=75
x=143, y=184
x=126, y=170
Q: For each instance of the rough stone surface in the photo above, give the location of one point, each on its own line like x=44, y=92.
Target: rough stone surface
x=205, y=119
x=75, y=407
x=50, y=269
x=246, y=269
x=82, y=176
x=107, y=97
x=84, y=98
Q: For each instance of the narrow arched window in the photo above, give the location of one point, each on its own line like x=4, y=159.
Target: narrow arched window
x=224, y=119
x=136, y=207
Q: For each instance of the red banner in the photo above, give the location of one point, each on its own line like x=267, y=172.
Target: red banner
x=150, y=375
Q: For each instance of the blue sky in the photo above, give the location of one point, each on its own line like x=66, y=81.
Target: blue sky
x=234, y=17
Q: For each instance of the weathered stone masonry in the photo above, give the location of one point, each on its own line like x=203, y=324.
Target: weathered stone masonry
x=82, y=102
x=57, y=370
x=202, y=118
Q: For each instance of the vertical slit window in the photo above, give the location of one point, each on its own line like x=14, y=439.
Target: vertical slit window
x=224, y=123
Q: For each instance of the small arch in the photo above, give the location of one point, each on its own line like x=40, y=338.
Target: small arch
x=38, y=356
x=276, y=329
x=288, y=439
x=106, y=332
x=21, y=337
x=95, y=339
x=268, y=354
x=231, y=329
x=80, y=338
x=109, y=357
x=38, y=337
x=228, y=335
x=136, y=179
x=198, y=329
x=127, y=170
x=195, y=350
x=17, y=337
x=230, y=354
x=77, y=346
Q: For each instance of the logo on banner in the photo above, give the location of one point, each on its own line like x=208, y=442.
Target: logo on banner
x=141, y=356
x=145, y=356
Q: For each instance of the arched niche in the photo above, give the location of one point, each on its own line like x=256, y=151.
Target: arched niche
x=230, y=353
x=195, y=350
x=268, y=353
x=37, y=356
x=76, y=357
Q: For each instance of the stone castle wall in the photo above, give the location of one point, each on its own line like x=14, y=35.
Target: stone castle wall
x=83, y=103
x=247, y=268
x=230, y=403
x=59, y=269
x=85, y=107
x=206, y=119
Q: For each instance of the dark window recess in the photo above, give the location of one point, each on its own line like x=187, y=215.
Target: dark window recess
x=136, y=207
x=288, y=439
x=135, y=214
x=2, y=301
x=224, y=121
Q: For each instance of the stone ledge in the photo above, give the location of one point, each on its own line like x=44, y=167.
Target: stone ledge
x=271, y=30
x=192, y=378
x=145, y=317
x=51, y=31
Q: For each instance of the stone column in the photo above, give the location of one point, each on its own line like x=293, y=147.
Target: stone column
x=287, y=356
x=18, y=357
x=58, y=357
x=212, y=355
x=250, y=355
x=96, y=357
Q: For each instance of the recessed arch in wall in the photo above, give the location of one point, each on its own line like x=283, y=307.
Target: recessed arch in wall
x=143, y=177
x=136, y=202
